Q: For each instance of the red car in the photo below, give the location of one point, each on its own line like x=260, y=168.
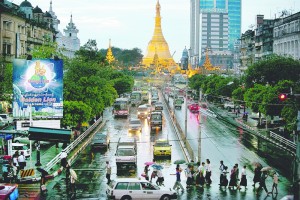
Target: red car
x=9, y=191
x=194, y=107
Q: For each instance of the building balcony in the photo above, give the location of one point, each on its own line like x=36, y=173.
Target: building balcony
x=35, y=40
x=258, y=44
x=8, y=34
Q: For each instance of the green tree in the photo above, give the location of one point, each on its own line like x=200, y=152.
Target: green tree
x=6, y=86
x=272, y=70
x=75, y=113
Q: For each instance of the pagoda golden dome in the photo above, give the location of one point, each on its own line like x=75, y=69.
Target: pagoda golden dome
x=158, y=49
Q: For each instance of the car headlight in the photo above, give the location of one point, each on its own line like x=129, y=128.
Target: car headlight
x=138, y=113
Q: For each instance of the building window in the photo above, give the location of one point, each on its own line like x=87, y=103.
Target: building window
x=70, y=34
x=6, y=49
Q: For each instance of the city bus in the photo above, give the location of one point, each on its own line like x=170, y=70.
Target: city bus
x=136, y=98
x=121, y=107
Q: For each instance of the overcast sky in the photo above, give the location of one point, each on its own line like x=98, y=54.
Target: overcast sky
x=130, y=23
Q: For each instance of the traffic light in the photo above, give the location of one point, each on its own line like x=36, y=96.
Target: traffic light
x=282, y=96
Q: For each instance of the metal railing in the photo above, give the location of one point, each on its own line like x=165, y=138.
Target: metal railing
x=69, y=148
x=187, y=151
x=283, y=140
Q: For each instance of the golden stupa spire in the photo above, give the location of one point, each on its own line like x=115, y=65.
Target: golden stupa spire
x=109, y=56
x=158, y=45
x=207, y=64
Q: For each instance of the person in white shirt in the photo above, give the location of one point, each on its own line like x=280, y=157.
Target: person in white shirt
x=208, y=172
x=243, y=179
x=21, y=160
x=160, y=178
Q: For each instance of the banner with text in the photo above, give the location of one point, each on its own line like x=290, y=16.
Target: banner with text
x=38, y=88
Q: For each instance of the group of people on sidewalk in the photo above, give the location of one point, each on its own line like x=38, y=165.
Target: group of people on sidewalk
x=11, y=170
x=199, y=174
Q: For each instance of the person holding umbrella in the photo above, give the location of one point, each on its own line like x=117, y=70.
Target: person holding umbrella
x=178, y=180
x=146, y=170
x=262, y=183
x=257, y=174
x=160, y=178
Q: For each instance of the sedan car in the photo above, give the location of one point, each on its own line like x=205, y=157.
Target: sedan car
x=158, y=106
x=194, y=107
x=101, y=140
x=162, y=147
x=135, y=125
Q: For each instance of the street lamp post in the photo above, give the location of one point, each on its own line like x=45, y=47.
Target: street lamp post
x=185, y=120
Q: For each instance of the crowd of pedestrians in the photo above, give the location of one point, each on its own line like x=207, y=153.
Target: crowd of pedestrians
x=11, y=170
x=199, y=175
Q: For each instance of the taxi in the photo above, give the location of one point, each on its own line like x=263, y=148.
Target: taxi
x=162, y=147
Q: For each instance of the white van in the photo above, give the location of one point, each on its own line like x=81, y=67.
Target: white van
x=6, y=118
x=133, y=188
x=21, y=148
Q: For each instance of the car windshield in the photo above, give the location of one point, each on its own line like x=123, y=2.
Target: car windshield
x=125, y=152
x=142, y=109
x=120, y=106
x=162, y=144
x=100, y=137
x=135, y=122
x=156, y=116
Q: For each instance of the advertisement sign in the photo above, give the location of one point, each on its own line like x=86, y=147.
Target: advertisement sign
x=38, y=88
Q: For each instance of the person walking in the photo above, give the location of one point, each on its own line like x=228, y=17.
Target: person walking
x=160, y=178
x=262, y=183
x=208, y=172
x=224, y=180
x=146, y=170
x=21, y=160
x=108, y=172
x=233, y=181
x=188, y=172
x=177, y=184
x=221, y=168
x=275, y=183
x=257, y=174
x=243, y=179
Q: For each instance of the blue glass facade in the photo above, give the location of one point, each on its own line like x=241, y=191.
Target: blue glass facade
x=234, y=15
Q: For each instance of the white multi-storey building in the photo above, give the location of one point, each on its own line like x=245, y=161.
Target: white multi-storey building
x=287, y=36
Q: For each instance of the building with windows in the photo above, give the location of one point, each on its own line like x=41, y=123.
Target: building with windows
x=227, y=10
x=23, y=27
x=287, y=36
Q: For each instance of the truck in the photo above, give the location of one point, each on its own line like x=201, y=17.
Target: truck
x=126, y=153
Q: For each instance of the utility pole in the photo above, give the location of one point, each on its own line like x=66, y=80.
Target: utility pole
x=199, y=139
x=296, y=177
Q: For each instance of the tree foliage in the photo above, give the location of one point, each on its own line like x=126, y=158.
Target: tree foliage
x=272, y=70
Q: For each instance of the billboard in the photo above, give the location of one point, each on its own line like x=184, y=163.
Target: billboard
x=38, y=88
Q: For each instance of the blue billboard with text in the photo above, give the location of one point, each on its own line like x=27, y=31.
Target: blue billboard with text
x=38, y=88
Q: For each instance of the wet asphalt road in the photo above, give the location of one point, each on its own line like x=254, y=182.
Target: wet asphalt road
x=219, y=142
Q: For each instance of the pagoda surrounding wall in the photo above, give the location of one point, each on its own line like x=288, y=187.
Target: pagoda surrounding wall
x=158, y=52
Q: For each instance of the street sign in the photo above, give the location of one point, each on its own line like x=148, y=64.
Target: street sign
x=26, y=172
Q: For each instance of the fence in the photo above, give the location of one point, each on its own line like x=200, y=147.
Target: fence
x=69, y=148
x=283, y=141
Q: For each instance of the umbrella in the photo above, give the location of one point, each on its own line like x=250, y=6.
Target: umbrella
x=42, y=171
x=157, y=167
x=265, y=169
x=179, y=161
x=149, y=163
x=191, y=163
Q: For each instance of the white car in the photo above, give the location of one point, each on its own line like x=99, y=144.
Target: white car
x=135, y=125
x=135, y=189
x=21, y=148
x=6, y=118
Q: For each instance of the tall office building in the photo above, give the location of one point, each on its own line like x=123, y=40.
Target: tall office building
x=233, y=10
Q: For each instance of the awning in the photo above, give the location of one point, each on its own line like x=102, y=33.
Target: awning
x=49, y=134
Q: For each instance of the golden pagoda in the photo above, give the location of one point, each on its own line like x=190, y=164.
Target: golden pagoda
x=158, y=47
x=207, y=64
x=109, y=55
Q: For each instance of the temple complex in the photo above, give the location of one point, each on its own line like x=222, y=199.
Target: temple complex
x=158, y=55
